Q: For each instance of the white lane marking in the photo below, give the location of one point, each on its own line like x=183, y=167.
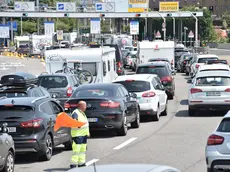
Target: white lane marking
x=125, y=143
x=91, y=162
x=44, y=64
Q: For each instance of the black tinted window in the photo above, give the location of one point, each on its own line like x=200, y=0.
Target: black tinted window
x=97, y=92
x=161, y=71
x=46, y=108
x=224, y=126
x=213, y=81
x=13, y=94
x=53, y=81
x=135, y=86
x=15, y=111
x=204, y=60
x=56, y=108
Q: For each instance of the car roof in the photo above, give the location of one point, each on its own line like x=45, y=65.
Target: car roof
x=213, y=73
x=99, y=85
x=155, y=58
x=24, y=101
x=206, y=55
x=138, y=77
x=214, y=66
x=155, y=63
x=227, y=115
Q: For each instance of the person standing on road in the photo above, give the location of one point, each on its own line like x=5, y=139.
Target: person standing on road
x=79, y=137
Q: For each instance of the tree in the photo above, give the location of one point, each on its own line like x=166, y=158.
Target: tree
x=226, y=17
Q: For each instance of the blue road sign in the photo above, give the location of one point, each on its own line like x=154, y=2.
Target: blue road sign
x=99, y=7
x=130, y=6
x=15, y=25
x=60, y=6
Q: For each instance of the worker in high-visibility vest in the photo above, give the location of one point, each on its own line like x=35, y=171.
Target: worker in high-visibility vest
x=79, y=137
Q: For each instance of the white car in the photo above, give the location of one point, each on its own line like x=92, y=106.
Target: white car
x=210, y=90
x=150, y=92
x=199, y=60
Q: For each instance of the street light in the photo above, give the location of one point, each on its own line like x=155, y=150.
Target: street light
x=196, y=28
x=174, y=25
x=185, y=29
x=165, y=23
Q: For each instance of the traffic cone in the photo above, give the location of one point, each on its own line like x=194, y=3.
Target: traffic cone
x=42, y=60
x=32, y=57
x=22, y=56
x=38, y=57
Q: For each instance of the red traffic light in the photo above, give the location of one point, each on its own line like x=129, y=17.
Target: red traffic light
x=138, y=15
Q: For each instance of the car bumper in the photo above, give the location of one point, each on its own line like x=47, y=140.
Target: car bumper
x=211, y=107
x=148, y=108
x=105, y=120
x=216, y=160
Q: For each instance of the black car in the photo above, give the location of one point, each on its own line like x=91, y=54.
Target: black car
x=181, y=63
x=30, y=122
x=109, y=106
x=21, y=85
x=163, y=71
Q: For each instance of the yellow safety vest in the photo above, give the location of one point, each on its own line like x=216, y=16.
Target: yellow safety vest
x=84, y=130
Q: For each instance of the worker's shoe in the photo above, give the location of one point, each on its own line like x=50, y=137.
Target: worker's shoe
x=83, y=165
x=73, y=166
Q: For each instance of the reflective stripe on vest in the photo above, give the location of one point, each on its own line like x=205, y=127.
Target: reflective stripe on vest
x=84, y=130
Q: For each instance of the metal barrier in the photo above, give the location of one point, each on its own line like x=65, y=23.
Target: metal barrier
x=200, y=50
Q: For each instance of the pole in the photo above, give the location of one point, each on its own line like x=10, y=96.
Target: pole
x=110, y=25
x=11, y=29
x=196, y=29
x=174, y=28
x=21, y=27
x=181, y=28
x=165, y=23
x=185, y=36
x=38, y=24
x=146, y=27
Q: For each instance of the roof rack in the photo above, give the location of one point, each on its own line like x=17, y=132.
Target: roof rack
x=19, y=79
x=39, y=98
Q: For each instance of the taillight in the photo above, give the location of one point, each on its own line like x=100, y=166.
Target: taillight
x=166, y=79
x=35, y=123
x=149, y=94
x=227, y=90
x=68, y=105
x=185, y=62
x=197, y=66
x=215, y=140
x=110, y=104
x=119, y=64
x=69, y=92
x=195, y=90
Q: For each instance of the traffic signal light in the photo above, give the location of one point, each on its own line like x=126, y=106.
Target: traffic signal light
x=102, y=15
x=66, y=15
x=138, y=15
x=169, y=15
x=24, y=14
x=210, y=8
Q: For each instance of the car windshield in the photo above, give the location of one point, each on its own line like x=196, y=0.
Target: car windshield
x=13, y=94
x=53, y=81
x=224, y=126
x=135, y=86
x=213, y=70
x=213, y=81
x=161, y=71
x=95, y=93
x=204, y=60
x=187, y=57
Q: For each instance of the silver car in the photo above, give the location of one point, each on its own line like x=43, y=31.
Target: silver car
x=218, y=148
x=210, y=90
x=7, y=150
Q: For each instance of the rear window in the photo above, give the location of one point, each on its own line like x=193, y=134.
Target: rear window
x=23, y=46
x=160, y=60
x=13, y=94
x=213, y=70
x=204, y=60
x=161, y=71
x=224, y=125
x=15, y=111
x=187, y=57
x=135, y=86
x=53, y=81
x=129, y=48
x=95, y=93
x=213, y=81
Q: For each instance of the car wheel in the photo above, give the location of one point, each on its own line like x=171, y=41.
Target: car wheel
x=68, y=145
x=9, y=164
x=187, y=73
x=156, y=116
x=165, y=112
x=124, y=128
x=136, y=123
x=170, y=96
x=191, y=112
x=48, y=152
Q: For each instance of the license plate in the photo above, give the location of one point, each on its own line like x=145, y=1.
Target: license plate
x=11, y=129
x=92, y=119
x=213, y=93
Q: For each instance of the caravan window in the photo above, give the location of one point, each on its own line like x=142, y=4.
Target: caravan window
x=114, y=65
x=108, y=65
x=104, y=68
x=90, y=66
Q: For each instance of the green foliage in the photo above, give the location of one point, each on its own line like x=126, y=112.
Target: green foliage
x=226, y=17
x=29, y=27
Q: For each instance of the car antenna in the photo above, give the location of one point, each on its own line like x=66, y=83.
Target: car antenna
x=94, y=167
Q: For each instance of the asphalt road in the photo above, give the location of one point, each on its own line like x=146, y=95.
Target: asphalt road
x=176, y=140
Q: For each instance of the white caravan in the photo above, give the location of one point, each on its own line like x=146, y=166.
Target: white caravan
x=157, y=49
x=101, y=62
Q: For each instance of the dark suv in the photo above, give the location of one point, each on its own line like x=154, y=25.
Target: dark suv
x=31, y=124
x=21, y=85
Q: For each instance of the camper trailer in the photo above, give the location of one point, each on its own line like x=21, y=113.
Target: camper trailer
x=101, y=62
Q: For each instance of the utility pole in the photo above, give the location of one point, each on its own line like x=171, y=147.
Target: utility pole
x=38, y=23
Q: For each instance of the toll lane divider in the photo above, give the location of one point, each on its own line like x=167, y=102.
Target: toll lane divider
x=21, y=56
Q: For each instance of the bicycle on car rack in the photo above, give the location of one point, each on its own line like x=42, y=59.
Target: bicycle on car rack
x=83, y=75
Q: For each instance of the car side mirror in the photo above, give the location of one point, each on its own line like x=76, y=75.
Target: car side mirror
x=53, y=96
x=173, y=72
x=189, y=81
x=133, y=95
x=4, y=128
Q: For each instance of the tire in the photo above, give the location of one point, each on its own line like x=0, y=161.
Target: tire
x=170, y=96
x=124, y=128
x=68, y=145
x=46, y=154
x=157, y=116
x=86, y=73
x=9, y=164
x=136, y=123
x=187, y=73
x=165, y=112
x=191, y=112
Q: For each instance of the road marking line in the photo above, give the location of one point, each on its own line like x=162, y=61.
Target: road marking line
x=125, y=143
x=91, y=162
x=43, y=63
